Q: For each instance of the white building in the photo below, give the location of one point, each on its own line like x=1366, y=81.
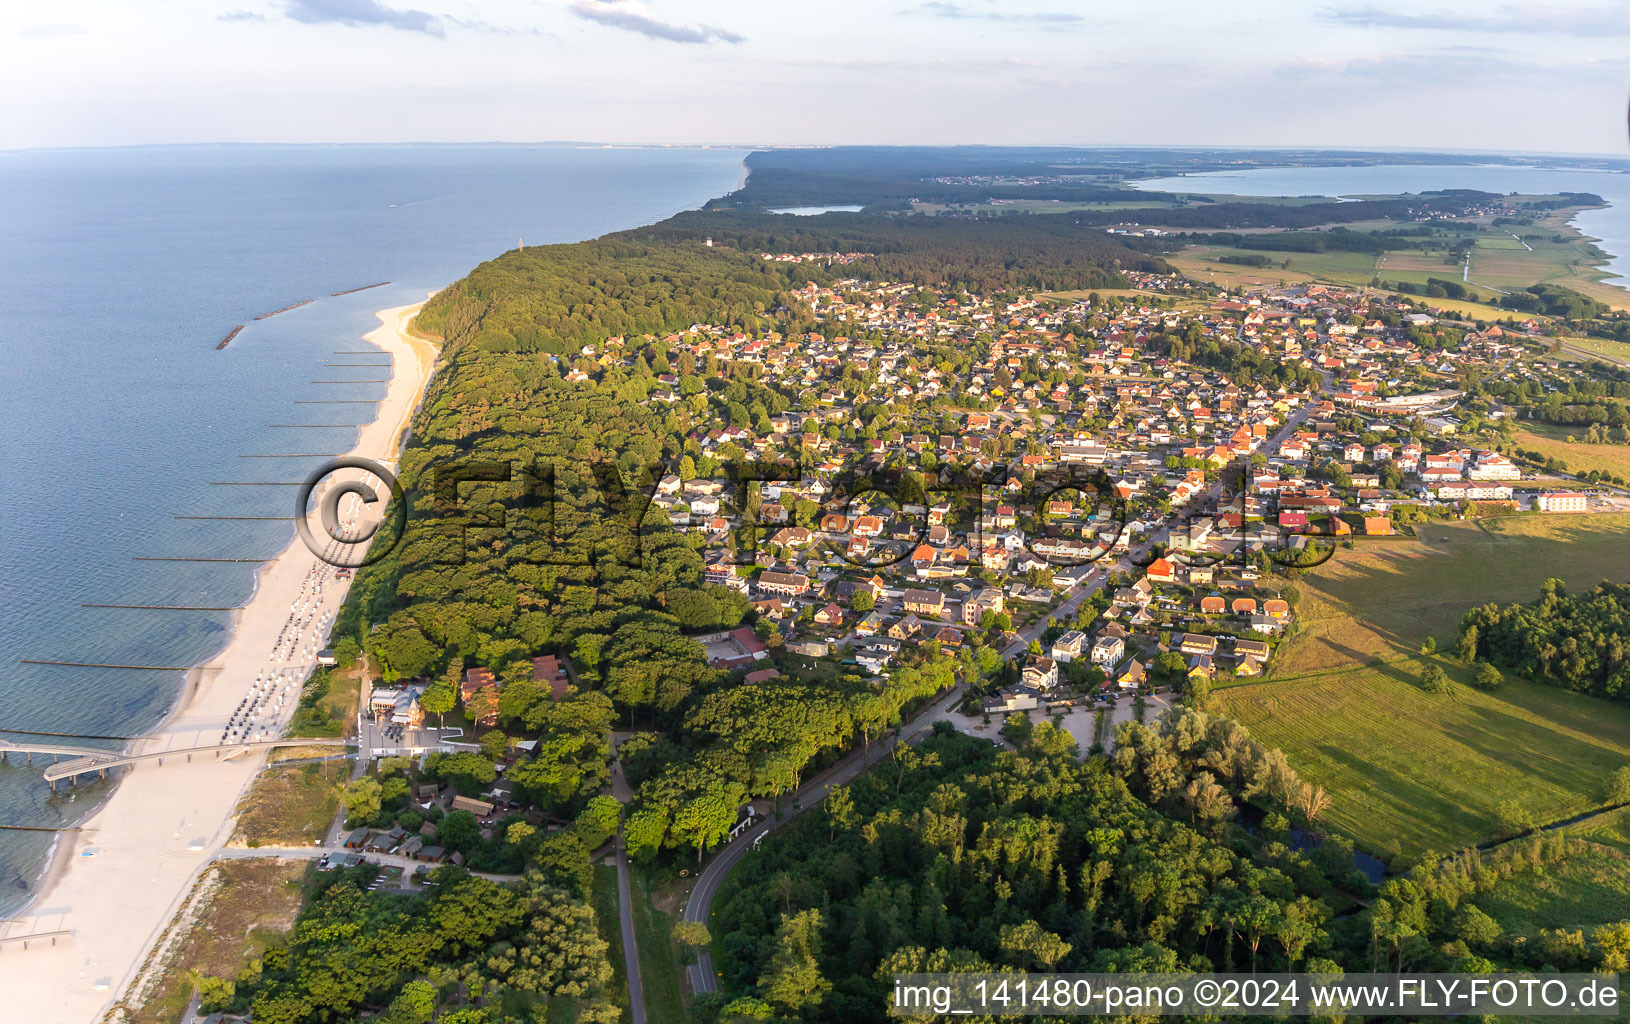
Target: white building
x=1562, y=501
x=1107, y=651
x=1068, y=647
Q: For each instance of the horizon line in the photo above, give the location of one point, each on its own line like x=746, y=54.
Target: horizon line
x=751, y=147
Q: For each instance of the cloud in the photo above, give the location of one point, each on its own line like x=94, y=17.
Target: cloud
x=49, y=30
x=361, y=12
x=240, y=16
x=631, y=16
x=1414, y=69
x=470, y=25
x=1548, y=18
x=943, y=9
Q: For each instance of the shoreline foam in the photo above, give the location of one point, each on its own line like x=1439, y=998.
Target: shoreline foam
x=119, y=901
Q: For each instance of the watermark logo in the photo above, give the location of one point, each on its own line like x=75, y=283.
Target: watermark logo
x=348, y=533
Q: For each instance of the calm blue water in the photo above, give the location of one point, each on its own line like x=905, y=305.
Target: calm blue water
x=119, y=273
x=1610, y=225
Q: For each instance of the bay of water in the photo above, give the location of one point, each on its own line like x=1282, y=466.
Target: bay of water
x=120, y=272
x=1611, y=225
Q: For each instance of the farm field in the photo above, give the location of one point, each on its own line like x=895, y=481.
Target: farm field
x=1611, y=828
x=1410, y=771
x=1579, y=456
x=1200, y=263
x=1583, y=891
x=1383, y=598
x=1597, y=348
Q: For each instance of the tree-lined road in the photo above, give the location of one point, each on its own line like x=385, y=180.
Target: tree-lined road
x=699, y=907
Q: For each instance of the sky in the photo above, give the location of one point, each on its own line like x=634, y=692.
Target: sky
x=1426, y=74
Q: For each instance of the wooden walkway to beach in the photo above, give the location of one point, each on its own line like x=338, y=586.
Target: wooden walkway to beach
x=85, y=760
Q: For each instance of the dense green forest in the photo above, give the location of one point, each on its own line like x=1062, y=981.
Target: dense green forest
x=471, y=951
x=1575, y=641
x=557, y=298
x=885, y=178
x=959, y=857
x=1050, y=252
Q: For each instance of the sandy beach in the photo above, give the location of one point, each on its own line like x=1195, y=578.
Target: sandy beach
x=117, y=883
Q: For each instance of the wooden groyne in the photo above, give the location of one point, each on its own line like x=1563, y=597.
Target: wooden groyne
x=66, y=735
x=350, y=291
x=159, y=608
x=285, y=309
x=173, y=558
x=92, y=664
x=228, y=339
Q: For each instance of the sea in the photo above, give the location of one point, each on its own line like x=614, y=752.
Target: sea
x=1610, y=225
x=121, y=271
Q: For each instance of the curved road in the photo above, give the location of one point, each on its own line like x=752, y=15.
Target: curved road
x=700, y=905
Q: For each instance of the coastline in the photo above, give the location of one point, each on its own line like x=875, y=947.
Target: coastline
x=116, y=884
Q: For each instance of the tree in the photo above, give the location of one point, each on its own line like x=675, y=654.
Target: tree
x=1513, y=819
x=362, y=801
x=467, y=766
x=1197, y=693
x=1171, y=665
x=1435, y=680
x=1466, y=645
x=1618, y=786
x=483, y=705
x=438, y=699
x=863, y=600
x=519, y=832
x=840, y=811
x=693, y=935
x=1475, y=928
x=1429, y=645
x=1032, y=947
x=794, y=978
x=1488, y=677
x=459, y=831
x=598, y=821
x=494, y=743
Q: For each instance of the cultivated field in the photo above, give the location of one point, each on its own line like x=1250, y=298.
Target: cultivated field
x=1550, y=251
x=1382, y=598
x=1579, y=456
x=1410, y=771
x=1200, y=263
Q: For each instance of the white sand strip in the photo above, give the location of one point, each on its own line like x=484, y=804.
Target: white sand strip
x=117, y=884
